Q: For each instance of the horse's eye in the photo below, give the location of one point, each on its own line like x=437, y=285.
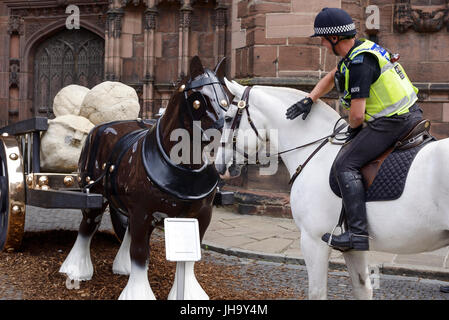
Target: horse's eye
x=228, y=118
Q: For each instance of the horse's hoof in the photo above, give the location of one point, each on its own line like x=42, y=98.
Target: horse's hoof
x=137, y=293
x=72, y=284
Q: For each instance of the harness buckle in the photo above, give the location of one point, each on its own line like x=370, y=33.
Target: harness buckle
x=241, y=104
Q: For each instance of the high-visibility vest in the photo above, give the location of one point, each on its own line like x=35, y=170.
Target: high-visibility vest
x=392, y=93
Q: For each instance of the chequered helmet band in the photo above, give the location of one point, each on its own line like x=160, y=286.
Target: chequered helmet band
x=334, y=30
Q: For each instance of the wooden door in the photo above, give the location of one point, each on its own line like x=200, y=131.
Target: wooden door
x=69, y=57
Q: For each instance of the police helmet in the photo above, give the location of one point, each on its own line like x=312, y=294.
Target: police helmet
x=334, y=22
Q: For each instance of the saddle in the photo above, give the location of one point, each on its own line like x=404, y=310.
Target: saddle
x=385, y=177
x=181, y=182
x=418, y=136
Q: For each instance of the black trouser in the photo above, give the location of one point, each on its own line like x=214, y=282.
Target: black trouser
x=374, y=139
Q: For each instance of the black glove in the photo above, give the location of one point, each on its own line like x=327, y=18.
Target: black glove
x=352, y=132
x=301, y=107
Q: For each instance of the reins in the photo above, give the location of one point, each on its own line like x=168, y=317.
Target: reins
x=324, y=140
x=328, y=137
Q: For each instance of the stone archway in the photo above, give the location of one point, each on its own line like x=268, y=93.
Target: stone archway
x=68, y=57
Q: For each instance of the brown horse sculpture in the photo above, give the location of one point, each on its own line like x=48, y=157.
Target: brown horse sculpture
x=129, y=163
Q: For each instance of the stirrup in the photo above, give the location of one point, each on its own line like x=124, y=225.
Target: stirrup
x=332, y=233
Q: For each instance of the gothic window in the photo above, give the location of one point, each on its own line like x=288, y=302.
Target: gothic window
x=69, y=57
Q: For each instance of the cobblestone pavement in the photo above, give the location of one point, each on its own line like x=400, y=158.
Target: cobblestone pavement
x=39, y=219
x=391, y=287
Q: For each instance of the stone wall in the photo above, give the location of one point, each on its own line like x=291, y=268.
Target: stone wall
x=147, y=45
x=419, y=31
x=278, y=43
x=23, y=26
x=156, y=40
x=277, y=50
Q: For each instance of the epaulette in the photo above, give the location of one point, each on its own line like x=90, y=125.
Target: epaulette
x=358, y=59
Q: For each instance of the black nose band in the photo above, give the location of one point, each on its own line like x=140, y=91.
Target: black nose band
x=218, y=124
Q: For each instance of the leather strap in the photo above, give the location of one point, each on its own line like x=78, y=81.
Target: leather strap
x=91, y=147
x=322, y=144
x=301, y=166
x=119, y=150
x=200, y=83
x=176, y=180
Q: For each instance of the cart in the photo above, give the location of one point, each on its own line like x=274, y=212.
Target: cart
x=22, y=183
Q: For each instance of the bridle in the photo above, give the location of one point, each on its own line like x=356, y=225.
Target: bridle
x=243, y=105
x=221, y=97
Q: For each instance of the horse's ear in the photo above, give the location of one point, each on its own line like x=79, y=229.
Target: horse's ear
x=235, y=88
x=196, y=67
x=220, y=69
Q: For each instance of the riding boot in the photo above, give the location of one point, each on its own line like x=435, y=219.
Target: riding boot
x=353, y=194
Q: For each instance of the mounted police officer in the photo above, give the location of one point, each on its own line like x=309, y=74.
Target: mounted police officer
x=382, y=108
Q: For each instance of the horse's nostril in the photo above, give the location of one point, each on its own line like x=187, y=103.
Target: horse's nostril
x=221, y=169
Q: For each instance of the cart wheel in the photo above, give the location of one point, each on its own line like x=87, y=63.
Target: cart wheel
x=12, y=195
x=119, y=223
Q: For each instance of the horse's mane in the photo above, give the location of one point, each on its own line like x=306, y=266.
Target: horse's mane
x=294, y=93
x=288, y=96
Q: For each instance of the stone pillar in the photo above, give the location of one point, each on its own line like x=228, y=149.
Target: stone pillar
x=220, y=31
x=149, y=61
x=117, y=37
x=112, y=44
x=184, y=30
x=15, y=31
x=109, y=45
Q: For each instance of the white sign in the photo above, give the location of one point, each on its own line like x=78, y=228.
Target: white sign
x=182, y=239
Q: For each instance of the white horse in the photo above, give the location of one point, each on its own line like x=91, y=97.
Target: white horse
x=416, y=222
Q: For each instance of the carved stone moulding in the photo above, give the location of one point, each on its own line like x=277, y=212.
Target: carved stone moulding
x=15, y=24
x=14, y=69
x=220, y=15
x=150, y=18
x=185, y=17
x=114, y=22
x=186, y=2
x=28, y=17
x=421, y=18
x=54, y=8
x=124, y=3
